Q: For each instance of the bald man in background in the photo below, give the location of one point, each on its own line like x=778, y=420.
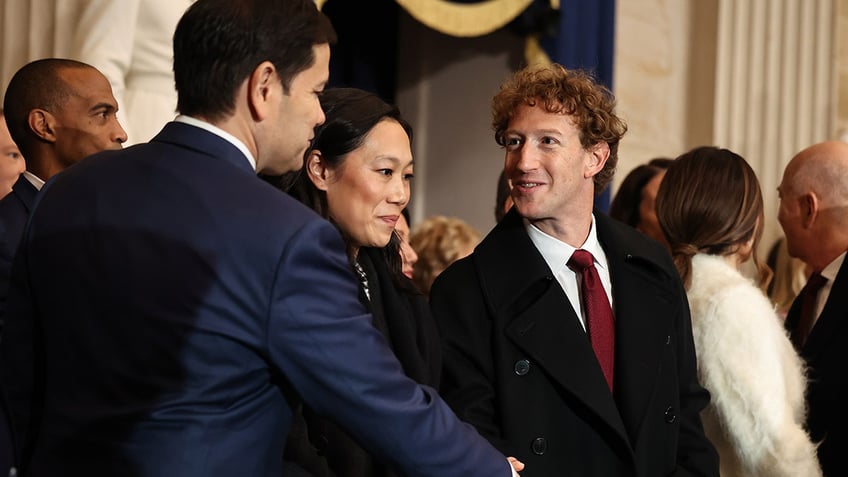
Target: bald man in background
x=814, y=216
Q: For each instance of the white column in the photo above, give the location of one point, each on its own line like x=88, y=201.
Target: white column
x=775, y=85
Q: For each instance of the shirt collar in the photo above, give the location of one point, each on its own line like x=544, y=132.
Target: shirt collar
x=219, y=132
x=557, y=253
x=34, y=180
x=832, y=269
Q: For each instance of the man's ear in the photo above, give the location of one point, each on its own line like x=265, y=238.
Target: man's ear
x=42, y=124
x=811, y=206
x=598, y=155
x=317, y=170
x=261, y=88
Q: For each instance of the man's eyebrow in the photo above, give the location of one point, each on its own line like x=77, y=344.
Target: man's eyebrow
x=106, y=106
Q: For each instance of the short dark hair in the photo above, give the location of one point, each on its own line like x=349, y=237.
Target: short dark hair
x=625, y=203
x=36, y=85
x=218, y=44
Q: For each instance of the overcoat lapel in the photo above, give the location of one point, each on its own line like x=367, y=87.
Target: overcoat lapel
x=539, y=319
x=643, y=313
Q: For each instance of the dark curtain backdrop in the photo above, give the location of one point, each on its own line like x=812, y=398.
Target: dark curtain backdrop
x=579, y=35
x=366, y=55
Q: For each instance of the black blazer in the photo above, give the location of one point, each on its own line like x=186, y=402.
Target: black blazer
x=519, y=366
x=824, y=354
x=320, y=446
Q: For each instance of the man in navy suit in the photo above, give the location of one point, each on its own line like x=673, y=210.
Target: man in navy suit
x=567, y=391
x=58, y=111
x=814, y=216
x=168, y=306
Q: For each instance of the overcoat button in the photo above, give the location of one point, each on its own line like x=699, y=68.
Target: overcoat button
x=670, y=416
x=522, y=367
x=540, y=445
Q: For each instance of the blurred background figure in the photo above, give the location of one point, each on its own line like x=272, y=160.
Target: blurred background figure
x=130, y=42
x=407, y=253
x=440, y=241
x=12, y=163
x=756, y=379
x=634, y=201
x=503, y=199
x=790, y=275
x=357, y=174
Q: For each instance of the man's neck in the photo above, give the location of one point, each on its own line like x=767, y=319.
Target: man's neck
x=571, y=230
x=43, y=168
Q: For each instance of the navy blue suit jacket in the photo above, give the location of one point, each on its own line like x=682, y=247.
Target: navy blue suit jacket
x=14, y=212
x=164, y=297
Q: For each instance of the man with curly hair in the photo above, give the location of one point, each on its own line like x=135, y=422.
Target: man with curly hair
x=567, y=337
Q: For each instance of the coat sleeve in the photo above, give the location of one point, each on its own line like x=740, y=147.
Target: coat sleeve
x=321, y=339
x=743, y=361
x=468, y=368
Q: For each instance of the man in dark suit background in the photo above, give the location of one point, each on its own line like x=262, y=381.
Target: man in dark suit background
x=814, y=215
x=519, y=362
x=167, y=305
x=58, y=111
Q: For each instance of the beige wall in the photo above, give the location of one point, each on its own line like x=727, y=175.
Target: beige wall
x=445, y=88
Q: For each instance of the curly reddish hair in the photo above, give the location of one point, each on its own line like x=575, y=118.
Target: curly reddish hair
x=572, y=92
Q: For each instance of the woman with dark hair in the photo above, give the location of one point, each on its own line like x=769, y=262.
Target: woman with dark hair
x=746, y=361
x=634, y=202
x=357, y=175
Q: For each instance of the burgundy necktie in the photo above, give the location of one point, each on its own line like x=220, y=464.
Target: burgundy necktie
x=808, y=309
x=600, y=323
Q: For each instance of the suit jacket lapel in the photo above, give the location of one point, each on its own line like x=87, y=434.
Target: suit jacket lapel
x=25, y=191
x=539, y=319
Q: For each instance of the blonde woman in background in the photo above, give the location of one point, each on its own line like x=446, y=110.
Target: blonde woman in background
x=439, y=241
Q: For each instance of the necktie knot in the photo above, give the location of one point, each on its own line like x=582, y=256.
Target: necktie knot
x=581, y=260
x=815, y=283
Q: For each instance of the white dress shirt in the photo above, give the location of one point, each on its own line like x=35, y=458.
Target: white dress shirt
x=34, y=180
x=557, y=253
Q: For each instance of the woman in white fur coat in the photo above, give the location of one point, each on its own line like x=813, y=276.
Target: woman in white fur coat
x=711, y=209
